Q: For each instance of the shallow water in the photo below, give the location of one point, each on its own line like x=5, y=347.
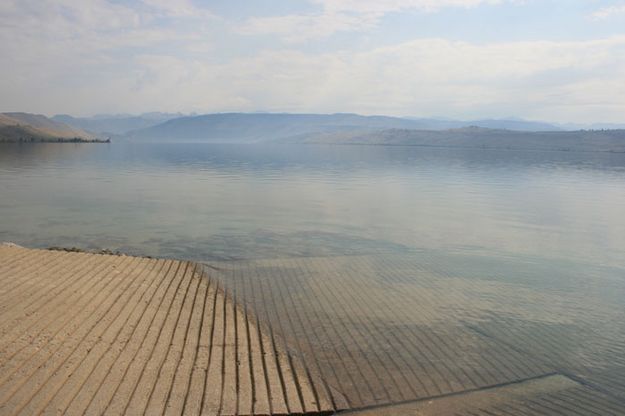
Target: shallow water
x=443, y=269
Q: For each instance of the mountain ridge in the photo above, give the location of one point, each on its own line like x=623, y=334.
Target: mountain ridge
x=28, y=127
x=115, y=124
x=253, y=127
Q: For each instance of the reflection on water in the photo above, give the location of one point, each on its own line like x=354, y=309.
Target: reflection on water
x=219, y=201
x=398, y=273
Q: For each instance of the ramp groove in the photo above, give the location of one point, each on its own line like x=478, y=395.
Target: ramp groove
x=100, y=334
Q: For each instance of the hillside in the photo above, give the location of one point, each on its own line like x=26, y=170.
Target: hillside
x=476, y=137
x=26, y=127
x=246, y=127
x=242, y=127
x=115, y=124
x=506, y=124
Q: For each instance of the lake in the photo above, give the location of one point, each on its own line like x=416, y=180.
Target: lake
x=492, y=256
x=207, y=201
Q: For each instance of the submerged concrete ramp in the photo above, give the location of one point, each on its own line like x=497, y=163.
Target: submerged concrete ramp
x=104, y=334
x=414, y=334
x=101, y=334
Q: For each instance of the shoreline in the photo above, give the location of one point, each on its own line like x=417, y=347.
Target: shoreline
x=54, y=140
x=104, y=332
x=118, y=334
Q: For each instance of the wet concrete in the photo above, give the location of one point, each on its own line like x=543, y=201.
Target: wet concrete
x=387, y=329
x=383, y=334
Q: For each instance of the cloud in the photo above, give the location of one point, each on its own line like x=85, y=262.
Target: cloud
x=537, y=79
x=346, y=16
x=178, y=8
x=98, y=56
x=299, y=28
x=607, y=12
x=51, y=20
x=65, y=35
x=387, y=6
x=561, y=81
x=60, y=47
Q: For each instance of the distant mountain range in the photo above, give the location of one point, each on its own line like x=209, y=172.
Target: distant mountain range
x=505, y=124
x=254, y=127
x=342, y=128
x=26, y=127
x=262, y=126
x=246, y=127
x=111, y=125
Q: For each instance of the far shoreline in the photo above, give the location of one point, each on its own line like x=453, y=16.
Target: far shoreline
x=59, y=140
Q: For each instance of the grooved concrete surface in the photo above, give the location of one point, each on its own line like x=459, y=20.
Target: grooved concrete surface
x=551, y=395
x=385, y=329
x=97, y=334
x=371, y=335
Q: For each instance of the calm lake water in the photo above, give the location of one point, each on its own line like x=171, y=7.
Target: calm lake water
x=444, y=270
x=205, y=201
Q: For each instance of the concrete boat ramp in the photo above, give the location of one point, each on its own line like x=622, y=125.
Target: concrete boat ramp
x=105, y=334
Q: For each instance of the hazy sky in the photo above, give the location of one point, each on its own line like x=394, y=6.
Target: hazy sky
x=556, y=60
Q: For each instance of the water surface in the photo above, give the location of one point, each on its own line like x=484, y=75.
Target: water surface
x=239, y=201
x=397, y=273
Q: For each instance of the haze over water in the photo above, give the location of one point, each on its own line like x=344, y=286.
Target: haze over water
x=209, y=201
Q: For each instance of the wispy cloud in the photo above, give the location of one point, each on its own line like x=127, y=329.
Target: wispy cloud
x=387, y=6
x=345, y=16
x=44, y=31
x=299, y=28
x=554, y=80
x=97, y=56
x=62, y=18
x=609, y=11
x=178, y=8
x=437, y=76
